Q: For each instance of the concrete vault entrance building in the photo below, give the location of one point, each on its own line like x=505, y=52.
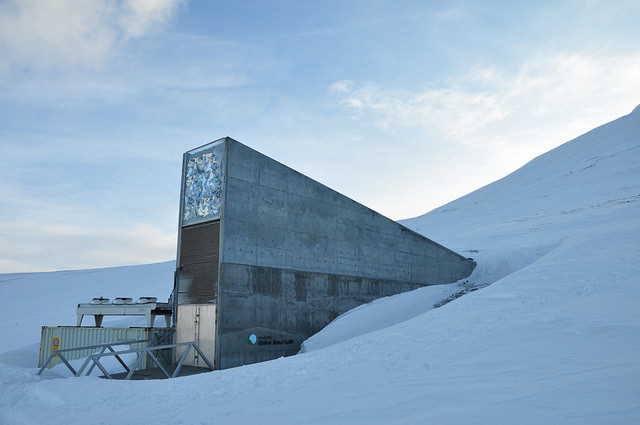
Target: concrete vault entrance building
x=267, y=256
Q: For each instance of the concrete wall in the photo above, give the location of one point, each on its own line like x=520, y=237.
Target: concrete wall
x=294, y=254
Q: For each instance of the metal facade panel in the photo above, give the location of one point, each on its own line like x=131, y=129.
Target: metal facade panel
x=72, y=336
x=185, y=330
x=197, y=323
x=198, y=263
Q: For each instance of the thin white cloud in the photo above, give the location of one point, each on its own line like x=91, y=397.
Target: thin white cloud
x=475, y=128
x=78, y=231
x=140, y=16
x=68, y=33
x=63, y=247
x=560, y=96
x=181, y=66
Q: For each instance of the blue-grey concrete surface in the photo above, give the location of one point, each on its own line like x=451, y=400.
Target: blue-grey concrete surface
x=294, y=254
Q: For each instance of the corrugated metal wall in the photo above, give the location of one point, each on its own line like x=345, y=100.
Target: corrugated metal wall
x=72, y=336
x=199, y=256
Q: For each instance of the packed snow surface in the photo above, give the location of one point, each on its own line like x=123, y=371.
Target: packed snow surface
x=551, y=336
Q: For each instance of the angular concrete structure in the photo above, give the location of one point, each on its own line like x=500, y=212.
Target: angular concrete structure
x=274, y=256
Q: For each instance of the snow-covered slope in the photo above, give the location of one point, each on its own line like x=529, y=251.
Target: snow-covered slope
x=574, y=185
x=555, y=338
x=33, y=300
x=515, y=221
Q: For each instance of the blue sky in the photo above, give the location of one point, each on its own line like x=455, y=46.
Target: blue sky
x=400, y=105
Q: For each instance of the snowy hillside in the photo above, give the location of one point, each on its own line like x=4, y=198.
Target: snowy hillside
x=554, y=338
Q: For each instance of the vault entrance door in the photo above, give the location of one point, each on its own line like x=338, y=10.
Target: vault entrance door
x=197, y=322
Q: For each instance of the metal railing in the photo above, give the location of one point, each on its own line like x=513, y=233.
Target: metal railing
x=147, y=350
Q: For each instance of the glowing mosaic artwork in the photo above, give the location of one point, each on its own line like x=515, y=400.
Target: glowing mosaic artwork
x=202, y=185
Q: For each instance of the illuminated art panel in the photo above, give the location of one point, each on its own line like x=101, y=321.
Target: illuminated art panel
x=203, y=184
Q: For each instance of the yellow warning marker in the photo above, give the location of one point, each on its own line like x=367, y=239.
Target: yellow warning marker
x=55, y=344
